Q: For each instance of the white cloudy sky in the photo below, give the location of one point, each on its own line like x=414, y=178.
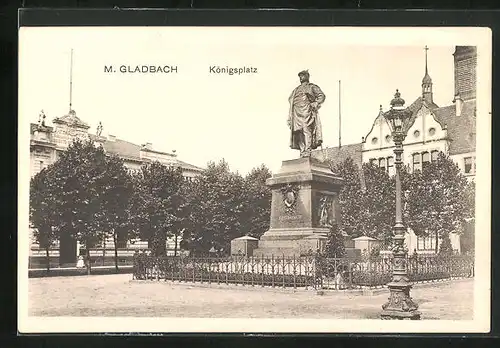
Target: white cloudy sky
x=240, y=118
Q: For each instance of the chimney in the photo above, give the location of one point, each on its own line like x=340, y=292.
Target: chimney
x=459, y=104
x=148, y=146
x=111, y=137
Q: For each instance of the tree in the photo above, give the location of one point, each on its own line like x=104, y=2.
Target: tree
x=257, y=213
x=379, y=204
x=350, y=197
x=439, y=200
x=155, y=203
x=43, y=210
x=80, y=175
x=115, y=202
x=366, y=210
x=445, y=247
x=335, y=244
x=180, y=219
x=217, y=200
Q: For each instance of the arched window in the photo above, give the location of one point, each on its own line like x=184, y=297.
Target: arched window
x=416, y=162
x=373, y=161
x=434, y=155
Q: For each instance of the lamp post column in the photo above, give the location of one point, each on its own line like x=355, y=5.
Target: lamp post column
x=400, y=305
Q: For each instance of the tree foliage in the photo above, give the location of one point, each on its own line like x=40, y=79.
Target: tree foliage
x=257, y=214
x=437, y=200
x=217, y=200
x=156, y=203
x=350, y=197
x=80, y=172
x=335, y=246
x=440, y=199
x=366, y=210
x=116, y=198
x=379, y=204
x=84, y=195
x=43, y=210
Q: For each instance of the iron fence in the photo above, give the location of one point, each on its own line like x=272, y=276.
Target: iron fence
x=316, y=272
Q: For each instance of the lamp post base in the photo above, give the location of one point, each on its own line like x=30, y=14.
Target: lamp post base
x=400, y=305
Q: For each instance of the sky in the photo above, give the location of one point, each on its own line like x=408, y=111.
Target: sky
x=241, y=118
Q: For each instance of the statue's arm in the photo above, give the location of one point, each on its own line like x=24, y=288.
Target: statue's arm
x=318, y=93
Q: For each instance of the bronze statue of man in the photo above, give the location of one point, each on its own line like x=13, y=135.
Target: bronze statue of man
x=303, y=118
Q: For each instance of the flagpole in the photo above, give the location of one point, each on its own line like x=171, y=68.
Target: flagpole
x=71, y=81
x=340, y=119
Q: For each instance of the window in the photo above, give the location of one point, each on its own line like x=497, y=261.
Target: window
x=469, y=165
x=390, y=165
x=434, y=155
x=432, y=131
x=416, y=162
x=387, y=138
x=42, y=165
x=426, y=158
x=373, y=161
x=426, y=243
x=381, y=163
x=416, y=134
x=374, y=140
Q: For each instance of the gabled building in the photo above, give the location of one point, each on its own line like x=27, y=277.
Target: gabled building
x=450, y=129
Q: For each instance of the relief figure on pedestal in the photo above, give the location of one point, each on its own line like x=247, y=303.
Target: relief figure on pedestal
x=326, y=211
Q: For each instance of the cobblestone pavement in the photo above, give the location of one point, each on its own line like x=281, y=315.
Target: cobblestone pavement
x=117, y=295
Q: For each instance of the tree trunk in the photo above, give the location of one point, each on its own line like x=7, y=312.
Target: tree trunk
x=103, y=250
x=115, y=239
x=88, y=258
x=436, y=247
x=47, y=255
x=175, y=247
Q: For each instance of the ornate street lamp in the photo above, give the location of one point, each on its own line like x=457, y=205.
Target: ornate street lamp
x=400, y=305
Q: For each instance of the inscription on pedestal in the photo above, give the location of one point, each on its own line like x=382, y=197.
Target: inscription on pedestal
x=290, y=218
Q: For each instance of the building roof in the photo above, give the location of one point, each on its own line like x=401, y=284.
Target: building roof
x=364, y=238
x=338, y=155
x=427, y=79
x=461, y=129
x=131, y=151
x=123, y=148
x=189, y=166
x=245, y=238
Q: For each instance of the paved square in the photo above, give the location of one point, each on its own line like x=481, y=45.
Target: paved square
x=117, y=295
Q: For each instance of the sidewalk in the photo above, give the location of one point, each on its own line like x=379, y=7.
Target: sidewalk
x=117, y=295
x=73, y=271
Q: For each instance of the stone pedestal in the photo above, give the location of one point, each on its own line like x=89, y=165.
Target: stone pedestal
x=304, y=205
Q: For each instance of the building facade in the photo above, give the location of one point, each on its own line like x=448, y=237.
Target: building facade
x=450, y=129
x=48, y=142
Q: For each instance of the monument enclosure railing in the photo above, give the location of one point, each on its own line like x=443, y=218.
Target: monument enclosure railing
x=310, y=272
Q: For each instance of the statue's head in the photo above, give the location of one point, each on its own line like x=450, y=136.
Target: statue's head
x=304, y=76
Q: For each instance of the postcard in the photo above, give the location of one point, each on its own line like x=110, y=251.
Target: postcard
x=254, y=179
